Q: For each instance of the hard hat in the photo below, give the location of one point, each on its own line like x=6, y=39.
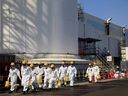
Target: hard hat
x=94, y=62
x=39, y=63
x=46, y=64
x=52, y=66
x=31, y=65
x=62, y=62
x=72, y=62
x=24, y=62
x=12, y=63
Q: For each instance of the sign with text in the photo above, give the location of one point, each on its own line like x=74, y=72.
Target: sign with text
x=109, y=58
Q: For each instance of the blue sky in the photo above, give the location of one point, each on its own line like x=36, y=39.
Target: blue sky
x=116, y=9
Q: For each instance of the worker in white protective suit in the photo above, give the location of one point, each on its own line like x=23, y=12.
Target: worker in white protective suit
x=47, y=71
x=39, y=76
x=14, y=73
x=96, y=71
x=53, y=77
x=63, y=73
x=26, y=76
x=72, y=72
x=89, y=72
x=33, y=81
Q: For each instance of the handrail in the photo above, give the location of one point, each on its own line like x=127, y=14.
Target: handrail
x=101, y=55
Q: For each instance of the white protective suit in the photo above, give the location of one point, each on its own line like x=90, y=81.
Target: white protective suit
x=47, y=72
x=34, y=79
x=53, y=78
x=89, y=72
x=72, y=71
x=13, y=74
x=26, y=76
x=62, y=74
x=39, y=72
x=96, y=72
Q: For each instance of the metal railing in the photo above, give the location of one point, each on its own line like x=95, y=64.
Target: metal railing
x=101, y=55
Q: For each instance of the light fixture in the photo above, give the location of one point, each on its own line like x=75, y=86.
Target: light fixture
x=108, y=20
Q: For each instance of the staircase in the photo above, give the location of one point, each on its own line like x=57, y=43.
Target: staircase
x=101, y=55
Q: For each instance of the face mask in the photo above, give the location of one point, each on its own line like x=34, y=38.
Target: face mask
x=12, y=67
x=39, y=66
x=63, y=65
x=52, y=68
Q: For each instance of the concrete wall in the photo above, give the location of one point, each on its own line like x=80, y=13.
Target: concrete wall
x=126, y=38
x=0, y=25
x=48, y=26
x=126, y=53
x=95, y=28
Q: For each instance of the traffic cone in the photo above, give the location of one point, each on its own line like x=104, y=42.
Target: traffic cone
x=125, y=75
x=112, y=75
x=104, y=76
x=109, y=76
x=93, y=78
x=118, y=76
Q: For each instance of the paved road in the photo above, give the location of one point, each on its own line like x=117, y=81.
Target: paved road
x=103, y=88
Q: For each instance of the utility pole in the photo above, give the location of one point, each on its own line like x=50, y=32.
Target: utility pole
x=107, y=30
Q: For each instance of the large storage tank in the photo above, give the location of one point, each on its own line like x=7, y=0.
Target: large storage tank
x=39, y=26
x=64, y=28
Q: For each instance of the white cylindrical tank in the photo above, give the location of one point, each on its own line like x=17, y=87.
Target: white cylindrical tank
x=39, y=26
x=64, y=26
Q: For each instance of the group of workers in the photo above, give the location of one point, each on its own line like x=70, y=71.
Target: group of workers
x=93, y=70
x=36, y=76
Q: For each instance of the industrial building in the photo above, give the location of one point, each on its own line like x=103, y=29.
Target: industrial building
x=55, y=30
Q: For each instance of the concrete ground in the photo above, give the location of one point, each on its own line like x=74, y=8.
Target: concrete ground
x=120, y=88
x=103, y=88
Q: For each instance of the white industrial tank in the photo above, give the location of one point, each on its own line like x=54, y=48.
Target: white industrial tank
x=64, y=26
x=40, y=26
